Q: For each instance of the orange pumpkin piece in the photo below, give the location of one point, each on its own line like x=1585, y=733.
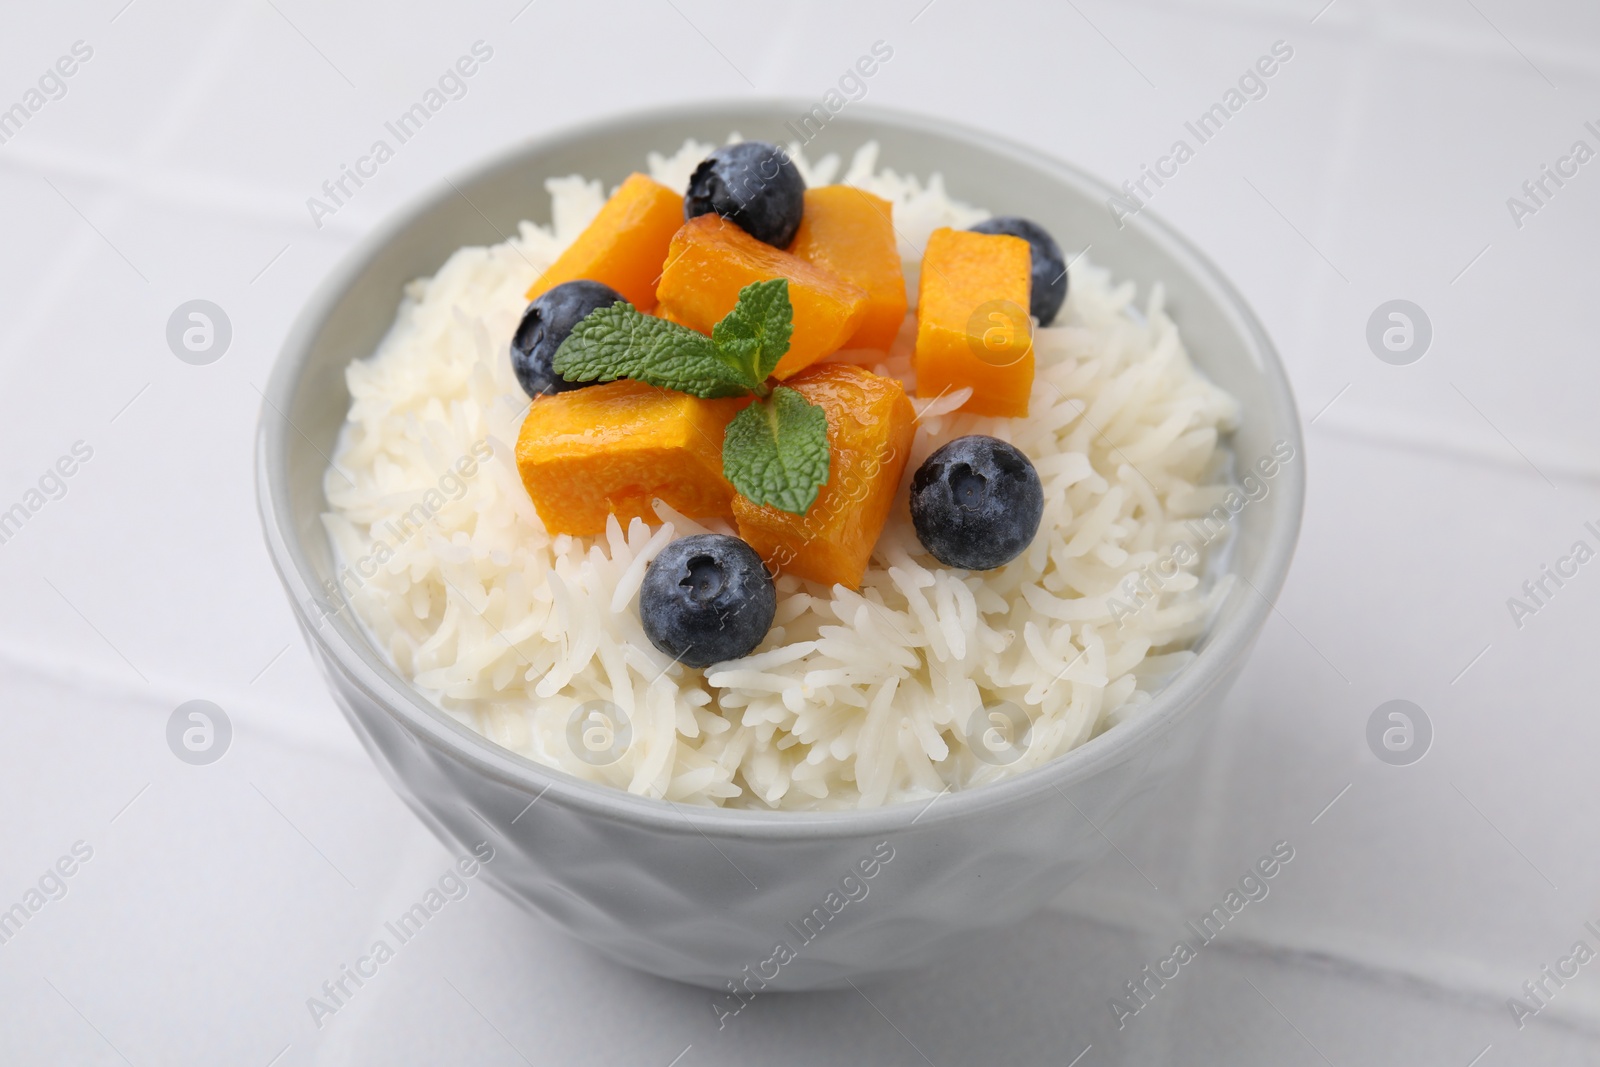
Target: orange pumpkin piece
x=973, y=327
x=711, y=259
x=663, y=313
x=625, y=245
x=850, y=233
x=870, y=426
x=614, y=448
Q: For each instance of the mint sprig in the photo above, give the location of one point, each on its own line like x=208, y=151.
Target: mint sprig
x=776, y=450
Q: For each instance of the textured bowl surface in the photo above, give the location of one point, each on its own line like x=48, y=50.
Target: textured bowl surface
x=708, y=895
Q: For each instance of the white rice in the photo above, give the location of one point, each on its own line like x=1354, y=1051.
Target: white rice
x=855, y=699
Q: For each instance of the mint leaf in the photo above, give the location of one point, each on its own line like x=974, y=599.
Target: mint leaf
x=755, y=334
x=620, y=342
x=776, y=451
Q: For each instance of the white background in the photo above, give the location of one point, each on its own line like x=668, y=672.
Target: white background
x=1378, y=166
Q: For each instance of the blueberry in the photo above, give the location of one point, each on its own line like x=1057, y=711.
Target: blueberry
x=976, y=503
x=1049, y=268
x=752, y=184
x=545, y=325
x=707, y=598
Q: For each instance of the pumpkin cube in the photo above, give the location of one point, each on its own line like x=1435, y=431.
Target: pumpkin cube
x=711, y=259
x=850, y=233
x=870, y=426
x=663, y=313
x=612, y=449
x=626, y=244
x=973, y=327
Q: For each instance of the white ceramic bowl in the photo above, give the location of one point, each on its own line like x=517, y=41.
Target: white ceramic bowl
x=707, y=895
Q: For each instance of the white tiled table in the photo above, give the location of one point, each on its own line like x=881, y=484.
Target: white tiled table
x=1378, y=165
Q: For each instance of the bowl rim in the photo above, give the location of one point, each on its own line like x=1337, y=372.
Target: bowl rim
x=1225, y=644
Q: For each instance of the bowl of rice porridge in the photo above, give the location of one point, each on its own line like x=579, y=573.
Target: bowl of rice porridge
x=783, y=552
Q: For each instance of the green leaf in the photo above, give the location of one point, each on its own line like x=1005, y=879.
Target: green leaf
x=620, y=342
x=755, y=334
x=776, y=451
